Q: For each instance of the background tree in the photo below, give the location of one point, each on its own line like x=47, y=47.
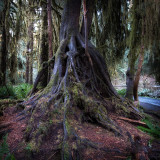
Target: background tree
x=5, y=41
x=142, y=35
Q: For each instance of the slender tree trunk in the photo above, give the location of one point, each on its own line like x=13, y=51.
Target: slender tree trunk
x=86, y=31
x=13, y=66
x=138, y=73
x=50, y=36
x=130, y=81
x=3, y=58
x=31, y=54
x=44, y=37
x=44, y=56
x=96, y=28
x=14, y=51
x=27, y=65
x=4, y=44
x=132, y=57
x=88, y=13
x=29, y=59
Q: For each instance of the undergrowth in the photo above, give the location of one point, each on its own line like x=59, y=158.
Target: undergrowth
x=4, y=150
x=22, y=90
x=7, y=92
x=15, y=92
x=121, y=92
x=153, y=128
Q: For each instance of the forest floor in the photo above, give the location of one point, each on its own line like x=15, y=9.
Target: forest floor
x=116, y=147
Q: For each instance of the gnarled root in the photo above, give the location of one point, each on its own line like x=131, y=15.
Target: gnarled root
x=74, y=85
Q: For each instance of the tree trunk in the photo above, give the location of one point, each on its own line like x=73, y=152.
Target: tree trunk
x=129, y=82
x=29, y=56
x=3, y=58
x=27, y=67
x=44, y=56
x=138, y=73
x=31, y=69
x=85, y=24
x=14, y=49
x=4, y=43
x=89, y=16
x=50, y=39
x=77, y=91
x=31, y=53
x=13, y=67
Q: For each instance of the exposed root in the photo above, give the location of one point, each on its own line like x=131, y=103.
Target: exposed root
x=74, y=85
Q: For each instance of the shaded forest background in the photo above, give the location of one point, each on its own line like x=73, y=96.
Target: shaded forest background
x=122, y=31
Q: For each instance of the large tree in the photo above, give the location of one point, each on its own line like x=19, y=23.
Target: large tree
x=79, y=89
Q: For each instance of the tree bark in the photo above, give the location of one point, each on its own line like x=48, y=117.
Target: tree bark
x=86, y=31
x=129, y=82
x=13, y=66
x=138, y=73
x=44, y=56
x=89, y=16
x=29, y=55
x=3, y=58
x=27, y=67
x=50, y=36
x=70, y=19
x=4, y=43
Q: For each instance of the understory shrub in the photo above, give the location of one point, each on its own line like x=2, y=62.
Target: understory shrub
x=15, y=92
x=153, y=128
x=22, y=90
x=7, y=92
x=4, y=150
x=121, y=92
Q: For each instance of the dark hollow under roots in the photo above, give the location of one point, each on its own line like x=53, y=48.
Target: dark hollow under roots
x=77, y=92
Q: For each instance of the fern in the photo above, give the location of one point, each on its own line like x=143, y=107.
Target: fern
x=153, y=129
x=4, y=150
x=22, y=90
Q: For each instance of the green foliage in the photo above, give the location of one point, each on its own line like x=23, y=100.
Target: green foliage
x=121, y=92
x=15, y=92
x=7, y=92
x=153, y=128
x=28, y=151
x=22, y=90
x=4, y=150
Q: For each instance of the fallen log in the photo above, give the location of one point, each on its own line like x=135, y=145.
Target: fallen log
x=136, y=122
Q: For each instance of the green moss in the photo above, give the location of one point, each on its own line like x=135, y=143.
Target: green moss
x=53, y=81
x=68, y=128
x=28, y=129
x=32, y=146
x=66, y=151
x=42, y=128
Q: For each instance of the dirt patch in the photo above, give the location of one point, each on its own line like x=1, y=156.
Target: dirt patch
x=111, y=147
